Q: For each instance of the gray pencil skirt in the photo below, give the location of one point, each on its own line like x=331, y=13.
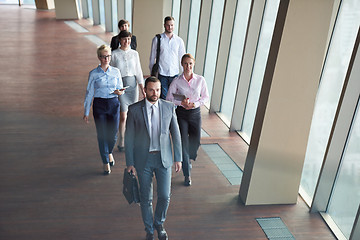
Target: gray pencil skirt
x=131, y=94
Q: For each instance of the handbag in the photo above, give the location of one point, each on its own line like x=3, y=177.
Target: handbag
x=131, y=187
x=155, y=67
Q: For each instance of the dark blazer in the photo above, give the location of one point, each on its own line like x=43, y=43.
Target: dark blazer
x=115, y=41
x=137, y=135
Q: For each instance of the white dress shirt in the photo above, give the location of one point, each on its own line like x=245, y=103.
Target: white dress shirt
x=171, y=51
x=153, y=147
x=128, y=62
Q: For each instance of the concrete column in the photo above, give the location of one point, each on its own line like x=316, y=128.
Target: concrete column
x=44, y=4
x=66, y=9
x=278, y=143
x=96, y=12
x=148, y=20
x=109, y=16
x=121, y=10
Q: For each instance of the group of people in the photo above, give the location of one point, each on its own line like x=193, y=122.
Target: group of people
x=159, y=131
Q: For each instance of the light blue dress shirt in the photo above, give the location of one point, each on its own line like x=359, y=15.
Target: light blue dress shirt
x=102, y=85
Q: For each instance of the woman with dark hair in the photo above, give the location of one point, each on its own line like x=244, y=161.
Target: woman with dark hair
x=128, y=62
x=123, y=25
x=104, y=86
x=188, y=91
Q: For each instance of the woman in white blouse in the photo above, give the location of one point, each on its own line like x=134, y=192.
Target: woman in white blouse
x=128, y=62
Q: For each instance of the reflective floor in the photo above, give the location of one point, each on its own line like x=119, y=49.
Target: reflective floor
x=51, y=182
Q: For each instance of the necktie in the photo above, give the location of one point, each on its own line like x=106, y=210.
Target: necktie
x=155, y=141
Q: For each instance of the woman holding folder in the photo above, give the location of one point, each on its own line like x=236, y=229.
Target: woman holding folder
x=188, y=91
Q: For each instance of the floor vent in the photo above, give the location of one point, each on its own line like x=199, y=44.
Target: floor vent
x=225, y=164
x=275, y=228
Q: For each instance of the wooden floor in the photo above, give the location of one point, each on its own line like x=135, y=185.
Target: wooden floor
x=51, y=186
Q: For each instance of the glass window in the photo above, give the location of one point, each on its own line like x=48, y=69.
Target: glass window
x=345, y=198
x=235, y=55
x=327, y=98
x=213, y=42
x=193, y=26
x=175, y=11
x=262, y=51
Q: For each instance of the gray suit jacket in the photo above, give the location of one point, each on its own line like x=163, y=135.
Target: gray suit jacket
x=137, y=135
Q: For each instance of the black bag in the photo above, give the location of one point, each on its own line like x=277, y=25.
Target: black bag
x=155, y=67
x=131, y=187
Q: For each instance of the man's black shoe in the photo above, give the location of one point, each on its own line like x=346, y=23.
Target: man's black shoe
x=149, y=236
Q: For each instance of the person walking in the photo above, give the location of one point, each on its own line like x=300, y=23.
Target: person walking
x=128, y=62
x=171, y=51
x=123, y=25
x=188, y=92
x=151, y=133
x=104, y=86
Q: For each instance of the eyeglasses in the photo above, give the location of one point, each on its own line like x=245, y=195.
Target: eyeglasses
x=105, y=57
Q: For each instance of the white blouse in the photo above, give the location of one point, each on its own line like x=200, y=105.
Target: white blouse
x=128, y=62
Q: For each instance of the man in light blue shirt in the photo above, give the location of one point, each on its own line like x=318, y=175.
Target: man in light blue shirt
x=172, y=49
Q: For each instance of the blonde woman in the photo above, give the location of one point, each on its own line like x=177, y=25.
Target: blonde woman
x=104, y=87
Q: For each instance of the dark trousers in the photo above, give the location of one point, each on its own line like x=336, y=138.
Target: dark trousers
x=165, y=83
x=190, y=129
x=106, y=115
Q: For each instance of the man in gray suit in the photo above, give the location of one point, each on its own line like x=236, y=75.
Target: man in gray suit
x=150, y=125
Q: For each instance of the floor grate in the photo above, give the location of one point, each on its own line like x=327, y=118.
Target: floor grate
x=275, y=228
x=225, y=164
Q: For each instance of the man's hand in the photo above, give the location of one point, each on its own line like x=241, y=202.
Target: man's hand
x=131, y=169
x=178, y=166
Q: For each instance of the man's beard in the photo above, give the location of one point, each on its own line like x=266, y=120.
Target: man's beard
x=152, y=98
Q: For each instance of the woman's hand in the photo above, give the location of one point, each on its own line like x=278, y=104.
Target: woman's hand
x=119, y=91
x=86, y=118
x=187, y=104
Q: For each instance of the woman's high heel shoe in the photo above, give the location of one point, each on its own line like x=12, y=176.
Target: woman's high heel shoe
x=107, y=169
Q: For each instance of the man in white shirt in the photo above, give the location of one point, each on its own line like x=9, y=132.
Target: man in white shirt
x=172, y=49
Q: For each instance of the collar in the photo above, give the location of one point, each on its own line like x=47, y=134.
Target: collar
x=183, y=77
x=101, y=70
x=149, y=104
